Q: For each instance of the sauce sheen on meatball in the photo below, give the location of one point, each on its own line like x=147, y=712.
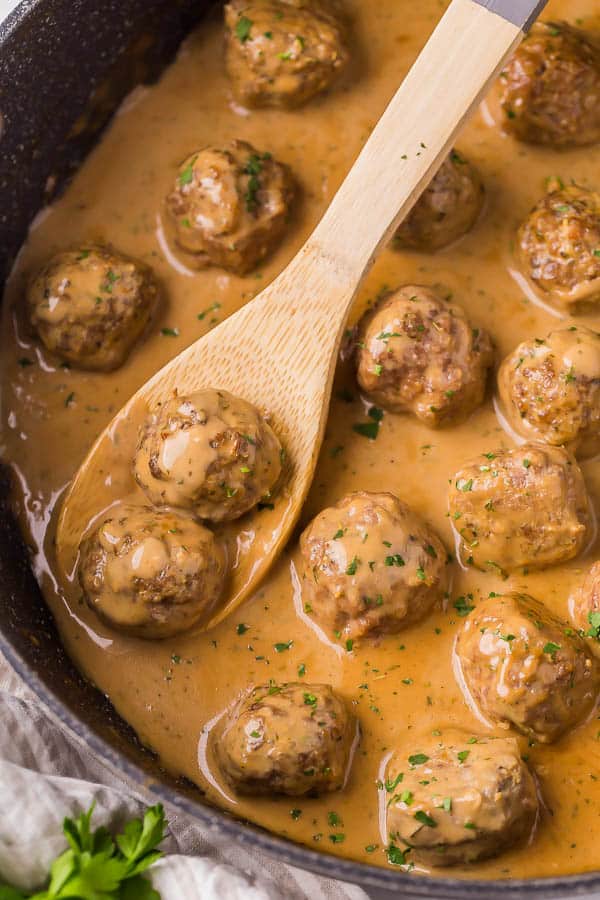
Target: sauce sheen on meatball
x=293, y=739
x=89, y=306
x=550, y=389
x=419, y=354
x=526, y=507
x=229, y=206
x=526, y=668
x=283, y=52
x=462, y=798
x=558, y=243
x=371, y=566
x=550, y=88
x=209, y=452
x=151, y=573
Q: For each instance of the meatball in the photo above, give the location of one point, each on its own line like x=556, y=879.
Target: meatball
x=371, y=566
x=558, y=245
x=463, y=799
x=526, y=668
x=89, y=306
x=151, y=573
x=584, y=606
x=283, y=52
x=550, y=390
x=447, y=209
x=292, y=739
x=419, y=354
x=550, y=88
x=522, y=507
x=210, y=452
x=229, y=206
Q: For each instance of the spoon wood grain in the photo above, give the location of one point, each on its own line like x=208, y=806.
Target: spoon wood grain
x=280, y=350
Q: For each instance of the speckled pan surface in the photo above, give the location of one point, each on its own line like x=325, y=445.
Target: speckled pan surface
x=64, y=65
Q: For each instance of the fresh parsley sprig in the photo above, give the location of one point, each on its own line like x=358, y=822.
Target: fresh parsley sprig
x=97, y=866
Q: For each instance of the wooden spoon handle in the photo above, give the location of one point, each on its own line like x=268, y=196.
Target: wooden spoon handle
x=455, y=69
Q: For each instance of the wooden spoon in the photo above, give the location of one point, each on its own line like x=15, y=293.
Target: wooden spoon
x=280, y=351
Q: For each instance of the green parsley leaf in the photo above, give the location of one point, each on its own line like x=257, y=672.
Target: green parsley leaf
x=243, y=27
x=417, y=759
x=422, y=817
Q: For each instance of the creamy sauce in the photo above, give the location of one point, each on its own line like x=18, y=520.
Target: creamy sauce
x=174, y=691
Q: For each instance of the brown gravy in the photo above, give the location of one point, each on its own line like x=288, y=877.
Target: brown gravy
x=173, y=691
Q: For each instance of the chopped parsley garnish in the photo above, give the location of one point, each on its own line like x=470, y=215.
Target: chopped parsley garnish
x=282, y=646
x=394, y=560
x=241, y=628
x=351, y=570
x=295, y=814
x=243, y=27
x=396, y=856
x=594, y=620
x=417, y=759
x=424, y=819
x=463, y=606
x=551, y=649
x=463, y=756
x=310, y=699
x=391, y=786
x=170, y=332
x=186, y=176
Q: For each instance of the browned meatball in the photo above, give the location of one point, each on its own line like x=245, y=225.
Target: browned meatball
x=550, y=89
x=371, y=566
x=558, y=245
x=229, y=206
x=151, y=573
x=523, y=507
x=210, y=452
x=525, y=667
x=447, y=209
x=290, y=739
x=283, y=52
x=90, y=306
x=419, y=354
x=584, y=606
x=550, y=389
x=460, y=798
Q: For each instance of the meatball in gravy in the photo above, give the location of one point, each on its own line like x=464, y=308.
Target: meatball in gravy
x=463, y=799
x=89, y=306
x=292, y=739
x=419, y=354
x=558, y=245
x=446, y=210
x=151, y=573
x=283, y=52
x=229, y=206
x=550, y=389
x=371, y=566
x=584, y=606
x=211, y=452
x=550, y=88
x=523, y=507
x=526, y=668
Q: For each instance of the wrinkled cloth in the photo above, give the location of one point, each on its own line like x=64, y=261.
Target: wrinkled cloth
x=45, y=775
